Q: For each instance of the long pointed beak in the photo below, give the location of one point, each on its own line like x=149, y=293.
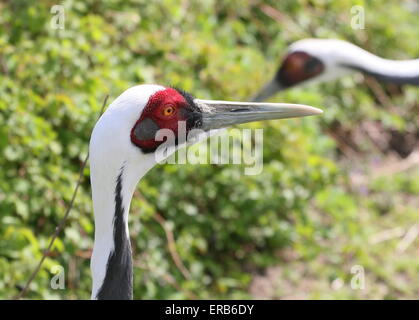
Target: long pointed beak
x=221, y=114
x=268, y=91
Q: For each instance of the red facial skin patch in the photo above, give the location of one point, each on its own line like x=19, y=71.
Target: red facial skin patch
x=155, y=110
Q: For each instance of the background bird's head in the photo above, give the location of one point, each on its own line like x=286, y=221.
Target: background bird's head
x=308, y=61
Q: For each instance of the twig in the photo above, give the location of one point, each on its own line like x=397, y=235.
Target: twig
x=61, y=225
x=408, y=239
x=168, y=279
x=370, y=130
x=171, y=244
x=3, y=66
x=342, y=145
x=399, y=166
x=380, y=94
x=283, y=19
x=388, y=169
x=387, y=235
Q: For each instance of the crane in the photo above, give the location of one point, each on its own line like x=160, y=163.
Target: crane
x=318, y=60
x=123, y=149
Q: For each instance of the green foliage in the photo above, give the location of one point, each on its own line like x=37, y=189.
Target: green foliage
x=227, y=226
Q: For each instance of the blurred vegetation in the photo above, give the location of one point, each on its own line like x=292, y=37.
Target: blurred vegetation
x=303, y=217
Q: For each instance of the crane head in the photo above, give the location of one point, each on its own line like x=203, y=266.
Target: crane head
x=308, y=61
x=298, y=66
x=127, y=133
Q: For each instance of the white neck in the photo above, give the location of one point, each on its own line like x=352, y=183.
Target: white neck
x=398, y=71
x=104, y=195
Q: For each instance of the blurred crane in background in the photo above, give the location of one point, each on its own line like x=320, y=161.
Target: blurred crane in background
x=317, y=60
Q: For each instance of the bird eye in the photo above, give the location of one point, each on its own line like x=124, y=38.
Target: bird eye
x=168, y=110
x=311, y=65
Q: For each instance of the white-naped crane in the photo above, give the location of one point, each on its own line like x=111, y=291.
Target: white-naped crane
x=123, y=148
x=317, y=60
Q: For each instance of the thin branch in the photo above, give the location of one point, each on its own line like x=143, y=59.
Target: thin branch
x=388, y=169
x=408, y=239
x=399, y=166
x=283, y=19
x=342, y=144
x=386, y=235
x=171, y=244
x=168, y=279
x=380, y=94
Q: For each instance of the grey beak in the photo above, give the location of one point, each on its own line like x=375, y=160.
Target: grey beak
x=268, y=91
x=221, y=114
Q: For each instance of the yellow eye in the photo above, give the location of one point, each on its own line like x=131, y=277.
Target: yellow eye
x=168, y=110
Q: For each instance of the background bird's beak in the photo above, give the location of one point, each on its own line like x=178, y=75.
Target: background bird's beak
x=221, y=114
x=268, y=91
